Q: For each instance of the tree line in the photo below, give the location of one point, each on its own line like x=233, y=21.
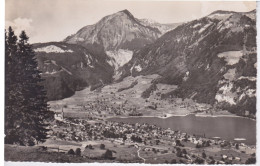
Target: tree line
x=27, y=114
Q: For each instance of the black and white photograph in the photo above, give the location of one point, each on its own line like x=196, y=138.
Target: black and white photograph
x=116, y=81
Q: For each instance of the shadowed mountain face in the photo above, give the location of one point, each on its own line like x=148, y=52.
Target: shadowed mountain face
x=68, y=67
x=212, y=60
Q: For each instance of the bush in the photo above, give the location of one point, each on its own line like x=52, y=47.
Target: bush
x=136, y=139
x=108, y=154
x=71, y=152
x=198, y=161
x=102, y=146
x=31, y=143
x=173, y=161
x=251, y=160
x=237, y=146
x=89, y=147
x=178, y=153
x=78, y=152
x=178, y=143
x=184, y=151
x=212, y=162
x=204, y=155
x=198, y=145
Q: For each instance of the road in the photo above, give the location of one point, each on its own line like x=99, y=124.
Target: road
x=138, y=154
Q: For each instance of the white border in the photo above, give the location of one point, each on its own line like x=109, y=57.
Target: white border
x=2, y=162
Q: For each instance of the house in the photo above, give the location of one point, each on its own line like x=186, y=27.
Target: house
x=238, y=158
x=221, y=162
x=224, y=156
x=59, y=116
x=230, y=158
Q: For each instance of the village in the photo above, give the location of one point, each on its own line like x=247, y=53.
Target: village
x=144, y=143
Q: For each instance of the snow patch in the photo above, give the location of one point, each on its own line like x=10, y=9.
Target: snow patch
x=226, y=25
x=241, y=96
x=219, y=16
x=231, y=57
x=225, y=95
x=138, y=68
x=119, y=58
x=251, y=92
x=248, y=78
x=251, y=15
x=196, y=25
x=79, y=39
x=204, y=27
x=51, y=48
x=91, y=66
x=186, y=76
x=207, y=67
x=149, y=21
x=89, y=59
x=230, y=74
x=51, y=73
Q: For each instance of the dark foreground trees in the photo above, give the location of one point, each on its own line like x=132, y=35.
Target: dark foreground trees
x=26, y=110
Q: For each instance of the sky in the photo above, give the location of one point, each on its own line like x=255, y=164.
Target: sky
x=54, y=20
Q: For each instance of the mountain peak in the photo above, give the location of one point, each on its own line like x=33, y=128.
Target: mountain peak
x=125, y=11
x=115, y=31
x=128, y=14
x=252, y=11
x=221, y=12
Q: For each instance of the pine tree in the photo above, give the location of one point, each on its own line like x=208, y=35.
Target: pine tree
x=36, y=102
x=12, y=92
x=27, y=108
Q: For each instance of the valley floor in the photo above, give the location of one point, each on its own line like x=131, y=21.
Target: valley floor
x=122, y=99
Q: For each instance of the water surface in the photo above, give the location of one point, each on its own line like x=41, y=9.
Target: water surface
x=227, y=128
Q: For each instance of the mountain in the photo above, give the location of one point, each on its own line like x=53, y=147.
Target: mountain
x=163, y=28
x=117, y=31
x=119, y=34
x=212, y=60
x=91, y=56
x=68, y=67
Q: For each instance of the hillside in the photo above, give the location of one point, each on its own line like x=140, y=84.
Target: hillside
x=68, y=67
x=212, y=60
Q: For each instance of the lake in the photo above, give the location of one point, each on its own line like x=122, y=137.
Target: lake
x=227, y=128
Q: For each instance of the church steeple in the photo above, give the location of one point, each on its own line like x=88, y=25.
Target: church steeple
x=62, y=113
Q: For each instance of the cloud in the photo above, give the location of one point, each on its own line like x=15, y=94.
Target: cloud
x=20, y=24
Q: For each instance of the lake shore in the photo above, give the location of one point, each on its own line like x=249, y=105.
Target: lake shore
x=182, y=115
